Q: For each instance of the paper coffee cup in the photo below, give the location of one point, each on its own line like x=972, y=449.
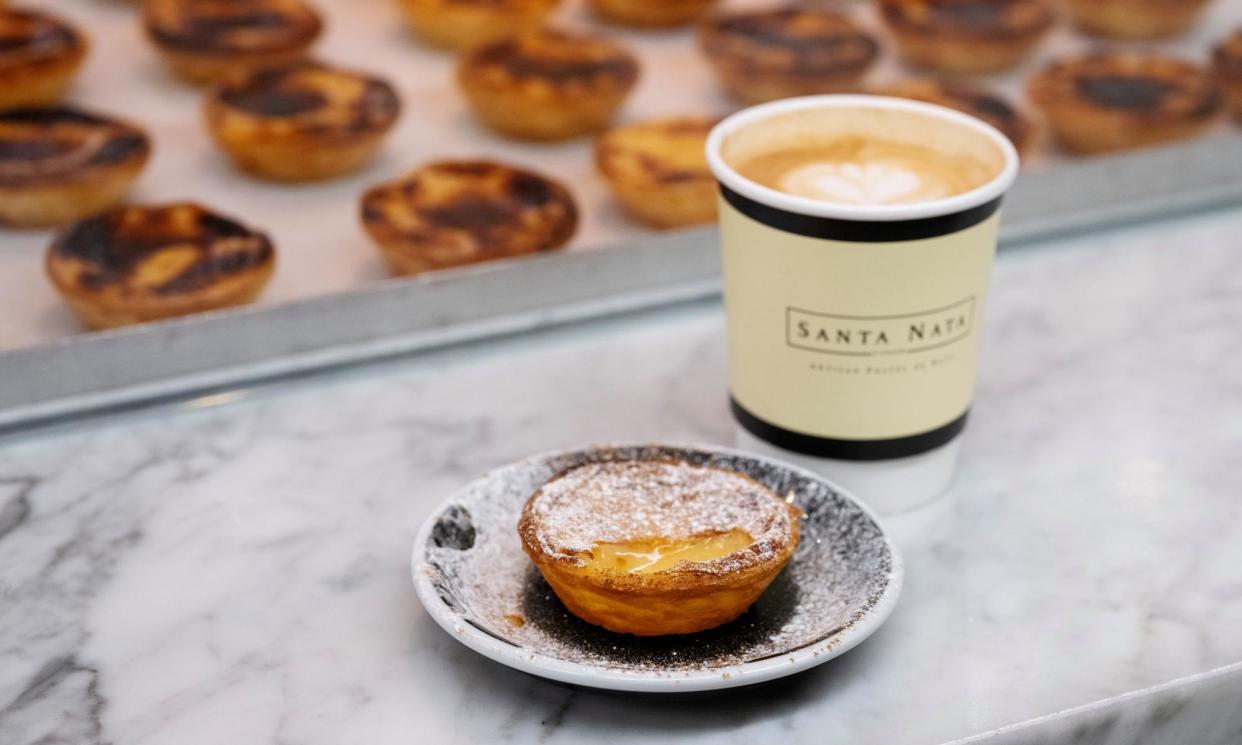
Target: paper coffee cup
x=854, y=328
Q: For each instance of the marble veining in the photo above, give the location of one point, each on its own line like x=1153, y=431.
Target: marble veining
x=235, y=569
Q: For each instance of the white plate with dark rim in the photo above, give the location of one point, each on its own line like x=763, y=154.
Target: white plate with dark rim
x=475, y=581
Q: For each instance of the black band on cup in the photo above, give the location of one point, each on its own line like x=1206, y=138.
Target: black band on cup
x=828, y=447
x=859, y=231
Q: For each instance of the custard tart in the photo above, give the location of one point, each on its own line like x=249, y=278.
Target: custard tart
x=58, y=165
x=458, y=24
x=658, y=170
x=1135, y=19
x=39, y=56
x=967, y=36
x=1107, y=102
x=768, y=54
x=976, y=101
x=548, y=84
x=651, y=13
x=205, y=39
x=657, y=547
x=1228, y=63
x=143, y=263
x=301, y=122
x=452, y=213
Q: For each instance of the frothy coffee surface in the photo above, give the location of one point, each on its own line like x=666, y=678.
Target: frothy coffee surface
x=859, y=170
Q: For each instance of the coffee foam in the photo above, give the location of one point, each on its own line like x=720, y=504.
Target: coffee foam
x=861, y=170
x=864, y=156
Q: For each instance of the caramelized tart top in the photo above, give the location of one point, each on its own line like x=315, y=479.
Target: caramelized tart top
x=472, y=209
x=551, y=57
x=43, y=145
x=789, y=41
x=989, y=18
x=231, y=26
x=310, y=96
x=31, y=38
x=160, y=251
x=1139, y=85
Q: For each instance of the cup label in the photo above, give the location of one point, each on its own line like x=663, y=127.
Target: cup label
x=853, y=341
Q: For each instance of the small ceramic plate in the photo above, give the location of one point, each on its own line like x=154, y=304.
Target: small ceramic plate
x=475, y=581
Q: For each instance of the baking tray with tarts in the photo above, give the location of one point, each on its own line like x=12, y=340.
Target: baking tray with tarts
x=392, y=225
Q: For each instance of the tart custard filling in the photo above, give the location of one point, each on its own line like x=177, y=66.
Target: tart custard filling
x=650, y=555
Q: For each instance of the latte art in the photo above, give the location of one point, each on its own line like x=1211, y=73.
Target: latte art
x=862, y=183
x=866, y=171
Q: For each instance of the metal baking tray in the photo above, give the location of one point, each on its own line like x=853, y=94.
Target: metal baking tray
x=330, y=303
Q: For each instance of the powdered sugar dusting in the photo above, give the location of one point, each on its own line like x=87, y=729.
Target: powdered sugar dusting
x=619, y=501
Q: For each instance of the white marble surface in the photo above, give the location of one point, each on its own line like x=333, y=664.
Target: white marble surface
x=237, y=574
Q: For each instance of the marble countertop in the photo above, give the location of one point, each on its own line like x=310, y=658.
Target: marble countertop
x=234, y=569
